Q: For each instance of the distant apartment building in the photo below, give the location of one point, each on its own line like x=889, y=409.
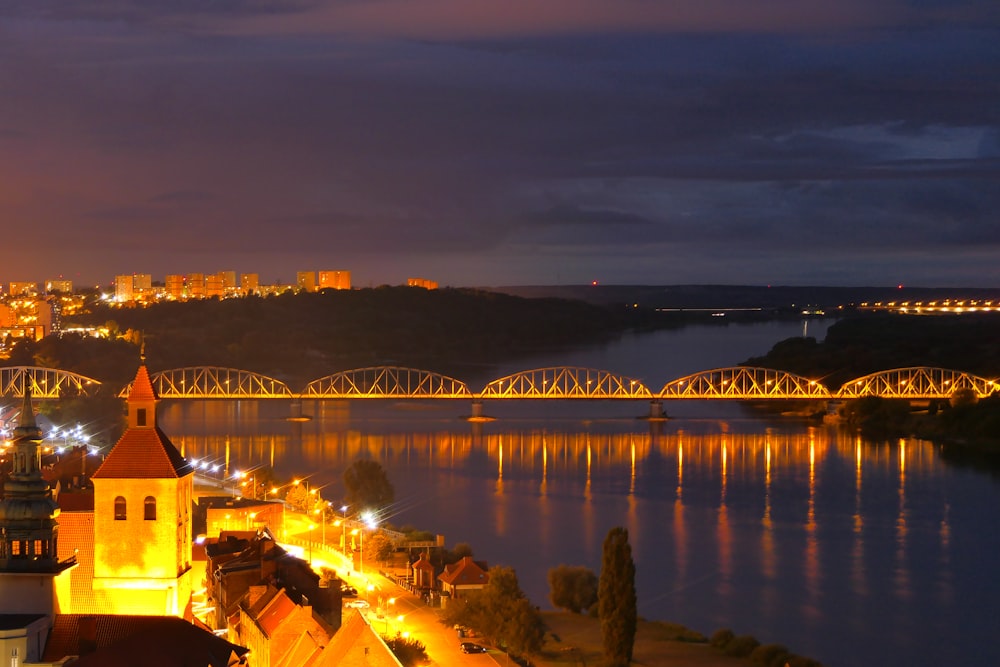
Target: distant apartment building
x=174, y=283
x=306, y=281
x=421, y=282
x=134, y=287
x=124, y=288
x=59, y=285
x=249, y=283
x=229, y=285
x=214, y=285
x=195, y=286
x=23, y=289
x=335, y=280
x=26, y=318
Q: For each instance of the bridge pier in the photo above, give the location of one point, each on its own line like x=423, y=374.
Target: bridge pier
x=477, y=413
x=656, y=412
x=295, y=412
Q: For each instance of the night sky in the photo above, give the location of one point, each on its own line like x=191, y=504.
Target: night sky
x=503, y=142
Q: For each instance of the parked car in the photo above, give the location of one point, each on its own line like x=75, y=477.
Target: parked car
x=356, y=604
x=348, y=591
x=469, y=647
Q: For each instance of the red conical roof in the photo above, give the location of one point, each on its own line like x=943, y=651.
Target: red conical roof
x=142, y=386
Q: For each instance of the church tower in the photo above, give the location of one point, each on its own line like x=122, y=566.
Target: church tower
x=28, y=527
x=142, y=515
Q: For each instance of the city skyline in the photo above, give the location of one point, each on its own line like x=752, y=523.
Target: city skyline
x=628, y=142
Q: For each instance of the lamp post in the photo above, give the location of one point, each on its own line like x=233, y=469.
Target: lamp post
x=343, y=529
x=311, y=526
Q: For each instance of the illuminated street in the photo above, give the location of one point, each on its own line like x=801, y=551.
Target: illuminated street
x=418, y=620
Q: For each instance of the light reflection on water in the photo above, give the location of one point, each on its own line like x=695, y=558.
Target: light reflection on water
x=851, y=552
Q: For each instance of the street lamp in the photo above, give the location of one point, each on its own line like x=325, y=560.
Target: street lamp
x=311, y=526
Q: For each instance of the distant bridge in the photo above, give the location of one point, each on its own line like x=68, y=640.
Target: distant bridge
x=47, y=383
x=554, y=383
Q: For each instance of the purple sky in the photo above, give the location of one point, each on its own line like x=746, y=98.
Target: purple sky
x=502, y=142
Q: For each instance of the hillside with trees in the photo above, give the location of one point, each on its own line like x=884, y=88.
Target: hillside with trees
x=300, y=337
x=866, y=344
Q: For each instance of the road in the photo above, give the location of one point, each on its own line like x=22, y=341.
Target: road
x=406, y=614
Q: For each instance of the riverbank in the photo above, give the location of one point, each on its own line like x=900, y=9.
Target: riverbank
x=575, y=639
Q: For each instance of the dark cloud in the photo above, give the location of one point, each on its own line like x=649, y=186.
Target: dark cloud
x=193, y=136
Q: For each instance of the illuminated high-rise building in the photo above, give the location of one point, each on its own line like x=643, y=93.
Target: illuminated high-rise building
x=335, y=280
x=174, y=283
x=249, y=283
x=59, y=285
x=306, y=281
x=194, y=285
x=124, y=288
x=214, y=285
x=23, y=289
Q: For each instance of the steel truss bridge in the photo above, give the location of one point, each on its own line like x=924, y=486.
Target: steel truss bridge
x=561, y=383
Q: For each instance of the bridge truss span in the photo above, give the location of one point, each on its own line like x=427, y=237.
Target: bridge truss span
x=49, y=383
x=920, y=382
x=386, y=382
x=744, y=383
x=215, y=382
x=566, y=382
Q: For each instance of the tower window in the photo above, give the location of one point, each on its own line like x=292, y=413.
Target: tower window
x=149, y=509
x=140, y=417
x=120, y=508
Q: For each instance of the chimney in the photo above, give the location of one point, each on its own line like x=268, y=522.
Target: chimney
x=87, y=635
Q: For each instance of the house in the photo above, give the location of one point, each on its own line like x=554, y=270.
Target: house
x=463, y=576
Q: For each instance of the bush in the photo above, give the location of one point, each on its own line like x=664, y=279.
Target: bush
x=770, y=655
x=741, y=646
x=720, y=638
x=410, y=652
x=573, y=588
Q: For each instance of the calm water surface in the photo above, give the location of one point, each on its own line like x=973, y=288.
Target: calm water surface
x=851, y=552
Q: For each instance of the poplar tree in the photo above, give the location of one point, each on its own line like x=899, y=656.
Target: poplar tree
x=616, y=600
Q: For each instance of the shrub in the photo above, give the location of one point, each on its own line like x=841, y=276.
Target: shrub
x=720, y=638
x=741, y=646
x=770, y=655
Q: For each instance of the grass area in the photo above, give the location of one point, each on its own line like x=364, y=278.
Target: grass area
x=575, y=640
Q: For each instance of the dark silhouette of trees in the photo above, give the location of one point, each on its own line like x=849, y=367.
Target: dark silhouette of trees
x=573, y=588
x=380, y=547
x=301, y=337
x=501, y=613
x=367, y=485
x=410, y=652
x=617, y=599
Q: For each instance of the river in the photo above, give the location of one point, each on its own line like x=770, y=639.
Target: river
x=851, y=552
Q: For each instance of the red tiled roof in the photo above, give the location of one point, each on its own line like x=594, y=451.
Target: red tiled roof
x=142, y=386
x=76, y=538
x=76, y=501
x=144, y=453
x=275, y=612
x=303, y=651
x=464, y=573
x=355, y=644
x=148, y=640
x=422, y=564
